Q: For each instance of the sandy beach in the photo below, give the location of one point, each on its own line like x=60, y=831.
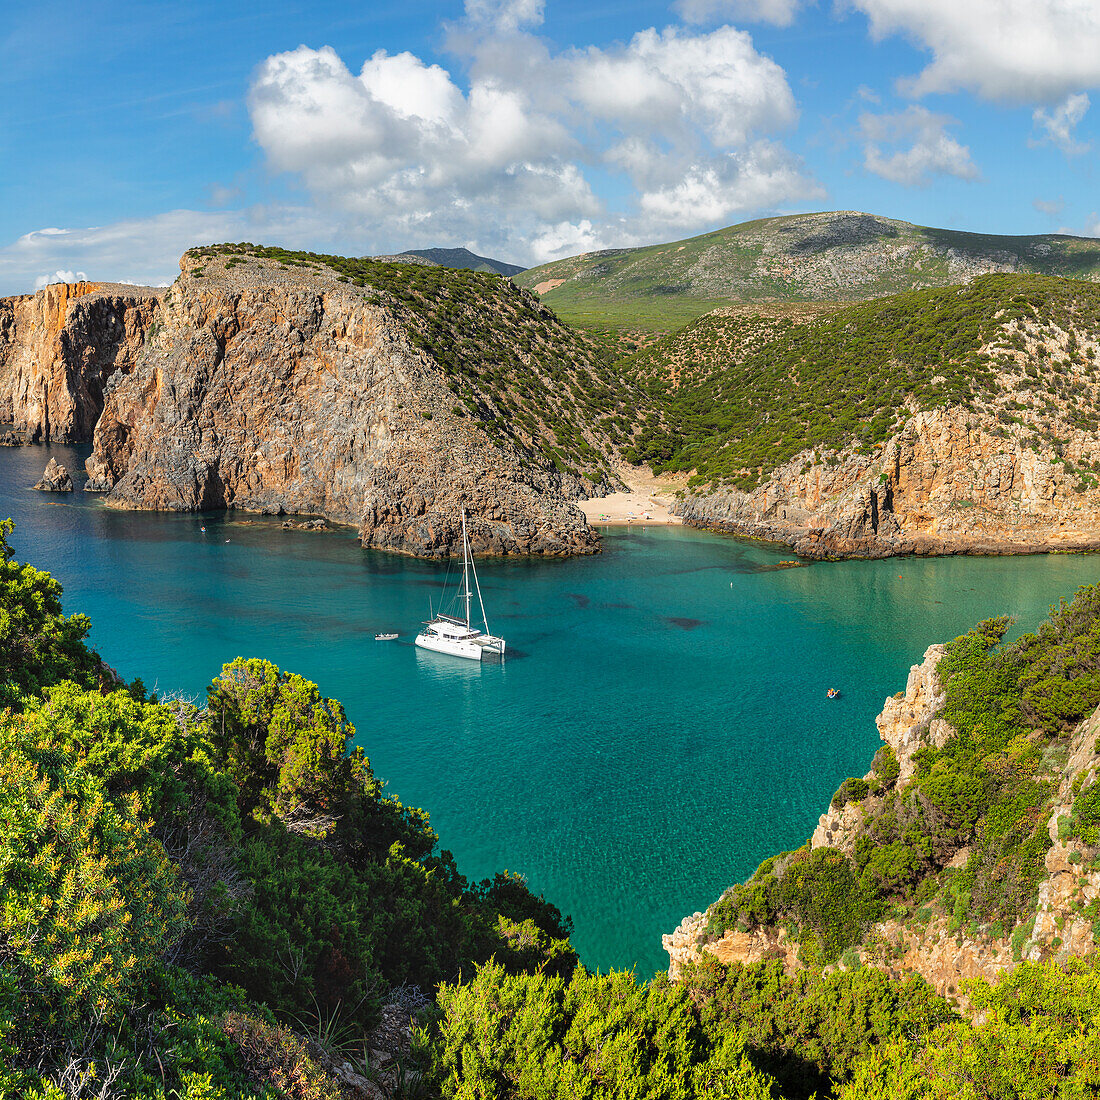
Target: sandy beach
x=646, y=504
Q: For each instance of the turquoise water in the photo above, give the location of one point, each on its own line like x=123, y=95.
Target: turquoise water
x=659, y=727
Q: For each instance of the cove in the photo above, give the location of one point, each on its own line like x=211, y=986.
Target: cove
x=659, y=727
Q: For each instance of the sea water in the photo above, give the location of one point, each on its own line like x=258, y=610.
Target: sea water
x=660, y=723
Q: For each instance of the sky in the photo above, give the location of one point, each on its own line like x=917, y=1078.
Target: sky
x=528, y=130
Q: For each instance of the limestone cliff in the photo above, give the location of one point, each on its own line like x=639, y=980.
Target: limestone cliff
x=59, y=347
x=951, y=481
x=295, y=390
x=945, y=951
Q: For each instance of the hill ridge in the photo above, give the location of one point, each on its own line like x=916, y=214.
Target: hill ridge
x=817, y=256
x=463, y=257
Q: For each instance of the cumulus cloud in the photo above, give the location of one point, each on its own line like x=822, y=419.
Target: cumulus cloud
x=1057, y=125
x=927, y=149
x=673, y=83
x=59, y=277
x=779, y=12
x=1012, y=50
x=737, y=182
x=504, y=159
x=504, y=16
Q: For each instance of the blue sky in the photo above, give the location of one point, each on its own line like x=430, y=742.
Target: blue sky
x=528, y=129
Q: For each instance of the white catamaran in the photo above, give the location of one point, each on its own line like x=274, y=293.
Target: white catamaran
x=449, y=634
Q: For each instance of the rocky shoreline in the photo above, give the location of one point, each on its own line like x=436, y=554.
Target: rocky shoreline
x=946, y=958
x=952, y=481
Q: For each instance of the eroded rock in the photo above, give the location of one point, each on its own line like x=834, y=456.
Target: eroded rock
x=55, y=479
x=59, y=347
x=949, y=482
x=273, y=392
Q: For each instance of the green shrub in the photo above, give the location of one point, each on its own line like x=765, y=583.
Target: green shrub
x=39, y=645
x=886, y=766
x=598, y=1036
x=1085, y=820
x=851, y=790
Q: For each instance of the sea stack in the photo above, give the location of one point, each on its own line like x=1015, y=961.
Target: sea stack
x=55, y=479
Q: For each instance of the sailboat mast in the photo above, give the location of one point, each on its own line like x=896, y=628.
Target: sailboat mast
x=466, y=569
x=481, y=602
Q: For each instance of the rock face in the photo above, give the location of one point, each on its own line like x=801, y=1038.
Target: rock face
x=285, y=392
x=907, y=723
x=55, y=479
x=945, y=484
x=59, y=347
x=946, y=957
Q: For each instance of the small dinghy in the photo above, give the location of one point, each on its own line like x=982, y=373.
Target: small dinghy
x=384, y=637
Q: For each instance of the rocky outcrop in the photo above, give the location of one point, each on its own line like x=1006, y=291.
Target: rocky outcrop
x=907, y=723
x=690, y=940
x=59, y=347
x=946, y=954
x=951, y=481
x=55, y=479
x=289, y=392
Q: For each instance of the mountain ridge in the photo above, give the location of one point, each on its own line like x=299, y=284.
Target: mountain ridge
x=820, y=256
x=463, y=257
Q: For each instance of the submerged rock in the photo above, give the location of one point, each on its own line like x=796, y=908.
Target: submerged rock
x=55, y=479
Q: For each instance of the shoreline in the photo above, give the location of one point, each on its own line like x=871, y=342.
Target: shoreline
x=646, y=503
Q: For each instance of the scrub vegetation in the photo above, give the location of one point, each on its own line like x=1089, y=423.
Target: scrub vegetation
x=826, y=257
x=218, y=901
x=734, y=397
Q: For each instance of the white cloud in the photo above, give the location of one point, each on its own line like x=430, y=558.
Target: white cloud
x=504, y=163
x=504, y=16
x=1051, y=207
x=779, y=12
x=933, y=151
x=1060, y=121
x=739, y=182
x=1091, y=227
x=716, y=83
x=59, y=277
x=146, y=251
x=1013, y=50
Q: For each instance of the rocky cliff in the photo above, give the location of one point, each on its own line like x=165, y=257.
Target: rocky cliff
x=288, y=387
x=59, y=347
x=951, y=421
x=951, y=481
x=923, y=934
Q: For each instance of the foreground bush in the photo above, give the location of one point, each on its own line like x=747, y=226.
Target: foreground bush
x=1036, y=1039
x=534, y=1037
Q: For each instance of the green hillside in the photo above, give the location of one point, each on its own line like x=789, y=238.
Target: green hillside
x=752, y=394
x=804, y=257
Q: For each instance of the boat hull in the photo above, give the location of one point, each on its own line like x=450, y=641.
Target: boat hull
x=454, y=647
